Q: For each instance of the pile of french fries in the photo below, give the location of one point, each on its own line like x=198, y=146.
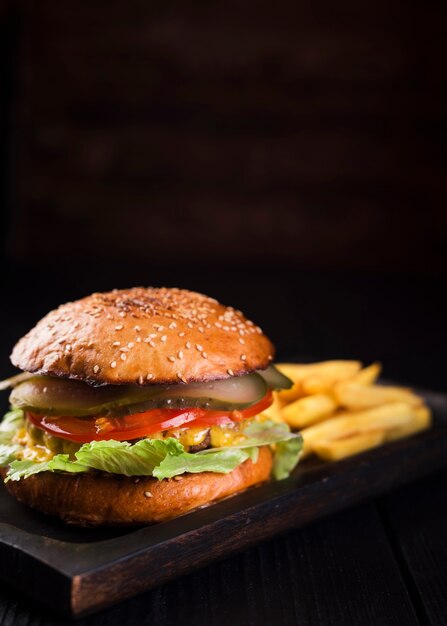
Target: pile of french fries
x=340, y=410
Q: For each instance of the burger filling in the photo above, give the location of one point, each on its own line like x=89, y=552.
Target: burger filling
x=161, y=431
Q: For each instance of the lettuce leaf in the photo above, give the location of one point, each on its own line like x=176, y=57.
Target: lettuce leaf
x=121, y=457
x=11, y=423
x=167, y=458
x=222, y=461
x=286, y=457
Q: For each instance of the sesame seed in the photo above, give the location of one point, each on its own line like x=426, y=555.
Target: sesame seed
x=171, y=358
x=109, y=317
x=201, y=329
x=181, y=334
x=243, y=357
x=96, y=369
x=178, y=477
x=204, y=354
x=130, y=344
x=138, y=339
x=113, y=364
x=124, y=349
x=116, y=343
x=180, y=354
x=147, y=494
x=180, y=375
x=230, y=372
x=137, y=328
x=190, y=325
x=188, y=345
x=122, y=314
x=217, y=324
x=152, y=344
x=199, y=347
x=123, y=356
x=226, y=328
x=149, y=376
x=259, y=330
x=164, y=338
x=153, y=335
x=241, y=340
x=119, y=327
x=68, y=347
x=172, y=325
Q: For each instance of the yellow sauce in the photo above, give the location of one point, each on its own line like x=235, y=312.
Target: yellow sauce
x=31, y=451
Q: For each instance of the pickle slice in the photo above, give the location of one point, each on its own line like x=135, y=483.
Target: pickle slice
x=274, y=378
x=58, y=396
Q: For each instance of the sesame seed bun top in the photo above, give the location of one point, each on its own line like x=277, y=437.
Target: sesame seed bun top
x=144, y=336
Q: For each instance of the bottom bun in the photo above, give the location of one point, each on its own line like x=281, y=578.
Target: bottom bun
x=96, y=499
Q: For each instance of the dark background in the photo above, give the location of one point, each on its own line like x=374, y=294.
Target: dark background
x=286, y=158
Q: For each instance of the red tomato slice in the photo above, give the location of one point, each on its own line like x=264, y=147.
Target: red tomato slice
x=84, y=429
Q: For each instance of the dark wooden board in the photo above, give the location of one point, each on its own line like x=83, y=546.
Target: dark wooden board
x=324, y=574
x=78, y=571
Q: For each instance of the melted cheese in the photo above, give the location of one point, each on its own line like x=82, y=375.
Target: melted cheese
x=31, y=451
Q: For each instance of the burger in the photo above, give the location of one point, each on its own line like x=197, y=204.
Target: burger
x=139, y=405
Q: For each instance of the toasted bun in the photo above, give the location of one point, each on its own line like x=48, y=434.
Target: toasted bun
x=106, y=499
x=144, y=336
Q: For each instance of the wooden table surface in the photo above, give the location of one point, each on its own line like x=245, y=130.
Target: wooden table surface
x=382, y=562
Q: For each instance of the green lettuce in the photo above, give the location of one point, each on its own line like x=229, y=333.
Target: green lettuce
x=11, y=423
x=167, y=458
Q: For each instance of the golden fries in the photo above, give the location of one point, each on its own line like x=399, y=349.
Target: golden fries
x=334, y=450
x=306, y=411
x=340, y=411
x=386, y=417
x=273, y=412
x=312, y=378
x=368, y=375
x=421, y=421
x=357, y=397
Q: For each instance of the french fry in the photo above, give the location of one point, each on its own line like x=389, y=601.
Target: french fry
x=368, y=375
x=309, y=410
x=324, y=380
x=310, y=378
x=422, y=421
x=386, y=417
x=336, y=449
x=357, y=397
x=273, y=412
x=296, y=372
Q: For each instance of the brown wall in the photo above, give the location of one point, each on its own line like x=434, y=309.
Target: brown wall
x=285, y=132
